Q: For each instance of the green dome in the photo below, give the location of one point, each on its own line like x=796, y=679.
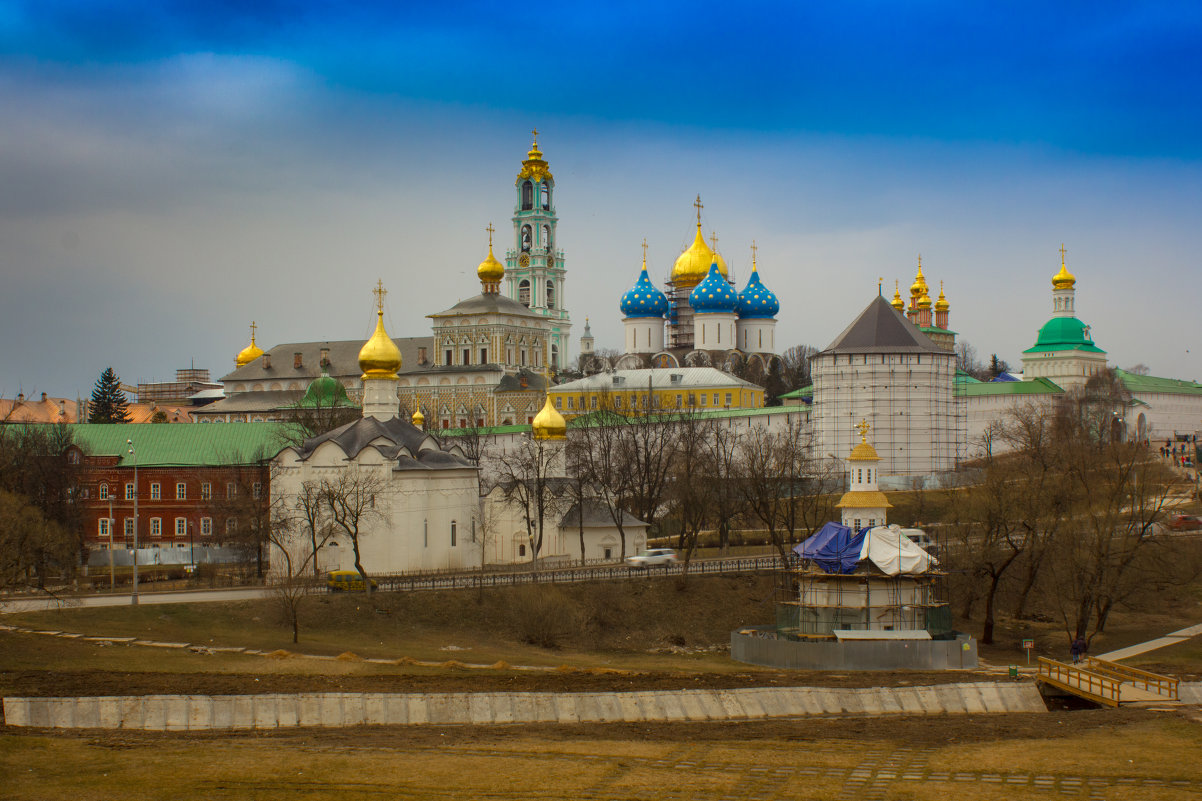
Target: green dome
x=325, y=392
x=1064, y=333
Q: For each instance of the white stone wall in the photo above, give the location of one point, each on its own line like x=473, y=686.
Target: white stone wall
x=644, y=334
x=918, y=422
x=756, y=335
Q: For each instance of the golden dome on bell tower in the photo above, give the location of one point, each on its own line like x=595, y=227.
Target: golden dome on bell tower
x=897, y=301
x=535, y=167
x=942, y=304
x=380, y=357
x=250, y=352
x=919, y=287
x=1063, y=279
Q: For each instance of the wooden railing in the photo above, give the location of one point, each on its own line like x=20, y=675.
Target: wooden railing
x=1094, y=686
x=1152, y=682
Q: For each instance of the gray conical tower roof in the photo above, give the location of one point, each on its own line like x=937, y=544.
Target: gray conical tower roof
x=880, y=328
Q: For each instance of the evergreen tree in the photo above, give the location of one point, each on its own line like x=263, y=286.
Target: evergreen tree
x=108, y=404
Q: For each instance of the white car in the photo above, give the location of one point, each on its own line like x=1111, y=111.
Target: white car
x=652, y=556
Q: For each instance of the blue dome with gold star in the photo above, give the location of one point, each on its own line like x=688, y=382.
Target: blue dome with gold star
x=713, y=294
x=757, y=301
x=643, y=299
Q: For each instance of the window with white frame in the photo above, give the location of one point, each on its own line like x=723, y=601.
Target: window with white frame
x=155, y=491
x=103, y=529
x=206, y=491
x=156, y=526
x=206, y=526
x=231, y=490
x=104, y=492
x=181, y=491
x=231, y=525
x=129, y=492
x=129, y=527
x=181, y=527
x=257, y=490
x=453, y=524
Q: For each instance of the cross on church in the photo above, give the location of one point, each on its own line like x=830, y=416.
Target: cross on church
x=697, y=205
x=753, y=250
x=252, y=330
x=1062, y=252
x=863, y=428
x=714, y=241
x=534, y=133
x=380, y=292
x=490, y=230
x=644, y=251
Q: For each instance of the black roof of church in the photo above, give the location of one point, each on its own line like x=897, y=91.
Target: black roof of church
x=880, y=328
x=412, y=448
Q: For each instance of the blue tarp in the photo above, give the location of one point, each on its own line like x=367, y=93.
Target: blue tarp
x=1004, y=376
x=835, y=548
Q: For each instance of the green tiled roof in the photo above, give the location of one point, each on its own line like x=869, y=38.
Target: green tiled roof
x=1035, y=386
x=183, y=444
x=1064, y=333
x=1150, y=383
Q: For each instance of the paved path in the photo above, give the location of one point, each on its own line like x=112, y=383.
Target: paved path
x=1151, y=645
x=144, y=598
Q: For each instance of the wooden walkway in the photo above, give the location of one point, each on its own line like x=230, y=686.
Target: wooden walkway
x=1108, y=683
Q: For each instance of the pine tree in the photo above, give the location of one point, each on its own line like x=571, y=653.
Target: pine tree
x=108, y=404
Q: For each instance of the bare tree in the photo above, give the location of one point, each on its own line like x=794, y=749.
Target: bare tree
x=530, y=476
x=351, y=501
x=310, y=508
x=688, y=496
x=795, y=366
x=291, y=584
x=783, y=484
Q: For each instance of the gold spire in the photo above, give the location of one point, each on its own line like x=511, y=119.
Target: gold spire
x=379, y=357
x=418, y=418
x=942, y=305
x=1063, y=279
x=534, y=167
x=897, y=303
x=753, y=251
x=250, y=352
x=490, y=270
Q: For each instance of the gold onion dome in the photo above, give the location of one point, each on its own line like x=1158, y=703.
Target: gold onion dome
x=534, y=167
x=924, y=302
x=549, y=423
x=250, y=352
x=419, y=419
x=919, y=287
x=490, y=270
x=694, y=264
x=942, y=304
x=864, y=452
x=897, y=302
x=1063, y=279
x=379, y=357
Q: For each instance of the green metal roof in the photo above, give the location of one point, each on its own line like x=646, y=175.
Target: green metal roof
x=616, y=418
x=801, y=392
x=1064, y=333
x=183, y=444
x=1034, y=386
x=964, y=378
x=1150, y=383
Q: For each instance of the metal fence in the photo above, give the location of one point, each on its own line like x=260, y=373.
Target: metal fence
x=610, y=572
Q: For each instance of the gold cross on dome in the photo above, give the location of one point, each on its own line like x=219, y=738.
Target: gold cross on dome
x=534, y=133
x=863, y=427
x=753, y=250
x=490, y=230
x=252, y=330
x=1062, y=252
x=380, y=292
x=714, y=241
x=697, y=205
x=644, y=251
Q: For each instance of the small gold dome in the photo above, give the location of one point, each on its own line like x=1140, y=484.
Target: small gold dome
x=897, y=301
x=535, y=167
x=419, y=419
x=863, y=452
x=693, y=265
x=490, y=270
x=380, y=357
x=942, y=304
x=250, y=352
x=919, y=287
x=1063, y=279
x=924, y=302
x=549, y=423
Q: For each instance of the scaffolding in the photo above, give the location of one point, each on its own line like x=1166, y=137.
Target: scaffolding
x=812, y=604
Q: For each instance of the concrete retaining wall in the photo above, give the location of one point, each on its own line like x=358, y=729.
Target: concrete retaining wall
x=853, y=655
x=205, y=712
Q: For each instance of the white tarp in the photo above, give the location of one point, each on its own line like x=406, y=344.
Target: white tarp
x=893, y=552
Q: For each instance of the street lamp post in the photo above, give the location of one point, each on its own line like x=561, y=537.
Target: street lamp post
x=133, y=598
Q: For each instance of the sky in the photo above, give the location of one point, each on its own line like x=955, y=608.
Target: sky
x=171, y=171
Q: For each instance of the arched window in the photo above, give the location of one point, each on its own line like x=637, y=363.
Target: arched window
x=545, y=192
x=550, y=294
x=525, y=238
x=547, y=237
x=524, y=292
x=527, y=196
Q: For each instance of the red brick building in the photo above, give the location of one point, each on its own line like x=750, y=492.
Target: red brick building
x=202, y=485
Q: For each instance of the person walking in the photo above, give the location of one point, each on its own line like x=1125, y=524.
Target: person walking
x=1077, y=649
